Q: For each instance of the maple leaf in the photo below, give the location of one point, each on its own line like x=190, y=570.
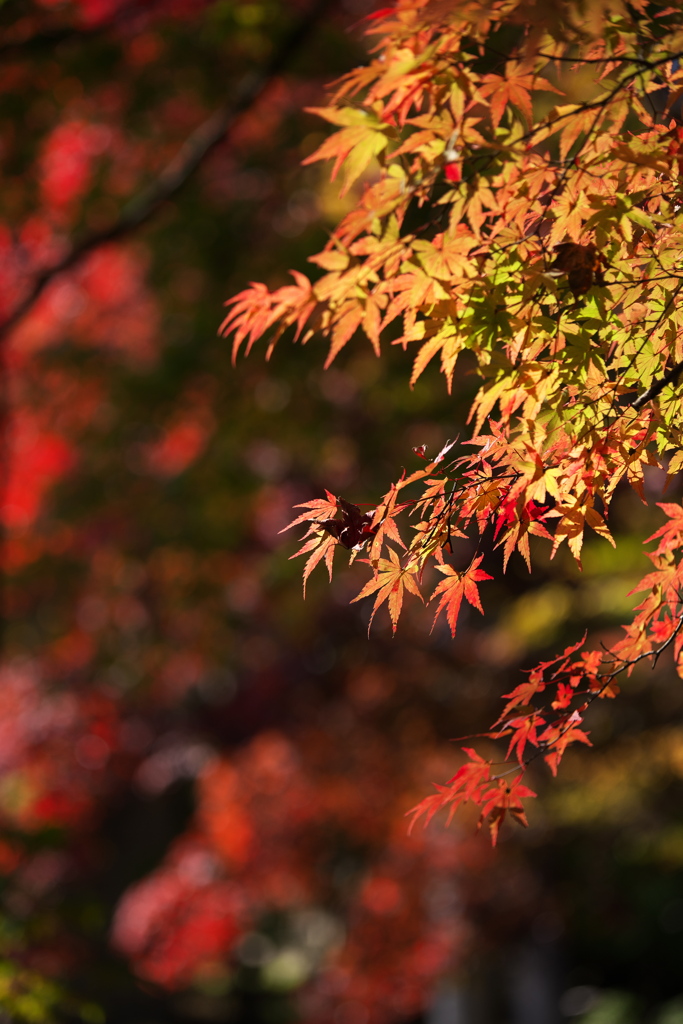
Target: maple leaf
x=445, y=257
x=522, y=694
x=389, y=583
x=501, y=800
x=572, y=121
x=524, y=730
x=671, y=534
x=449, y=344
x=354, y=146
x=468, y=783
x=557, y=738
x=384, y=522
x=321, y=547
x=570, y=527
x=255, y=310
x=455, y=587
x=572, y=209
x=319, y=510
x=515, y=87
x=564, y=697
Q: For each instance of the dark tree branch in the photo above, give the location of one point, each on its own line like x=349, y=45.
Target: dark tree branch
x=176, y=174
x=657, y=387
x=54, y=35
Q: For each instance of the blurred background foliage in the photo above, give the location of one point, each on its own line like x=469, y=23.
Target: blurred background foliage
x=203, y=778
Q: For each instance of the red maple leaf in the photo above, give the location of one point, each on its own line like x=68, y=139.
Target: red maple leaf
x=455, y=587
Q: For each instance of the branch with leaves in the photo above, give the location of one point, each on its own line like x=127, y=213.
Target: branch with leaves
x=551, y=252
x=670, y=377
x=578, y=683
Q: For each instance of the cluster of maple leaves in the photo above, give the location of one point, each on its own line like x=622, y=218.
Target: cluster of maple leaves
x=125, y=627
x=549, y=248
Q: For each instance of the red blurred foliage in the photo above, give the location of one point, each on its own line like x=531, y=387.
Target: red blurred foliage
x=66, y=162
x=55, y=744
x=37, y=459
x=103, y=304
x=185, y=437
x=181, y=919
x=98, y=12
x=268, y=820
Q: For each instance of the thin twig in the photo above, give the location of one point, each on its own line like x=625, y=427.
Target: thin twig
x=608, y=677
x=623, y=59
x=177, y=173
x=544, y=748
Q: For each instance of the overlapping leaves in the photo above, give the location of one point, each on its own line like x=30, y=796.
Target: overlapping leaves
x=550, y=249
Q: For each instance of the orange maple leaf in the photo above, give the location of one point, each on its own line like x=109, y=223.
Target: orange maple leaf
x=389, y=584
x=319, y=510
x=322, y=546
x=514, y=88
